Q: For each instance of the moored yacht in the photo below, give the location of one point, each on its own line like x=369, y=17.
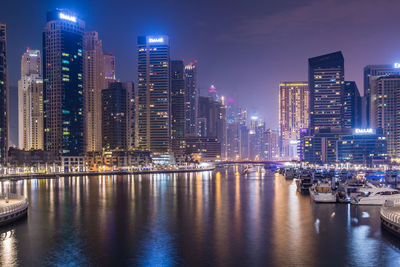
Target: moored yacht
x=374, y=195
x=304, y=182
x=322, y=192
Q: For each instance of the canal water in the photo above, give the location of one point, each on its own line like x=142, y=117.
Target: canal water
x=218, y=218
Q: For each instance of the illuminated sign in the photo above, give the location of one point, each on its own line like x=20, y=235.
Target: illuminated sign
x=397, y=65
x=33, y=55
x=67, y=17
x=158, y=40
x=294, y=142
x=364, y=131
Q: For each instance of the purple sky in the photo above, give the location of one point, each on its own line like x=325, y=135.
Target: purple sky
x=244, y=47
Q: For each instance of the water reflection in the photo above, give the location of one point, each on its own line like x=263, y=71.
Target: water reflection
x=209, y=218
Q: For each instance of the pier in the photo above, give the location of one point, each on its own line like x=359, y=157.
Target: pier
x=390, y=216
x=12, y=208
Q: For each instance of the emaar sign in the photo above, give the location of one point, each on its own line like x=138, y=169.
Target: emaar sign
x=67, y=17
x=364, y=131
x=156, y=39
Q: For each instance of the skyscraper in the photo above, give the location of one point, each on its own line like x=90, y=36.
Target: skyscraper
x=30, y=102
x=351, y=106
x=293, y=115
x=212, y=92
x=326, y=85
x=385, y=110
x=371, y=73
x=191, y=99
x=109, y=67
x=118, y=116
x=177, y=107
x=94, y=83
x=3, y=95
x=154, y=93
x=63, y=83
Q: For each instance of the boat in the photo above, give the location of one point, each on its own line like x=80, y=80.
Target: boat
x=304, y=182
x=322, y=192
x=375, y=195
x=290, y=174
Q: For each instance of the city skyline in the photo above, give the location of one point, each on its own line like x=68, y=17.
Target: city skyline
x=227, y=57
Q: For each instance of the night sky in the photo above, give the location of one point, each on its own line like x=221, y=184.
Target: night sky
x=244, y=47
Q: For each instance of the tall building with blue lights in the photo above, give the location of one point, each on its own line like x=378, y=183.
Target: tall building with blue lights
x=63, y=83
x=153, y=105
x=191, y=99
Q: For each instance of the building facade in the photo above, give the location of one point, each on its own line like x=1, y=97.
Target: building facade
x=94, y=82
x=326, y=85
x=118, y=116
x=293, y=115
x=30, y=102
x=371, y=73
x=3, y=95
x=385, y=110
x=63, y=83
x=178, y=121
x=352, y=111
x=191, y=99
x=153, y=106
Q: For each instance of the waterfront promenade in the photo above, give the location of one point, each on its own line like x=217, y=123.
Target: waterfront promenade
x=17, y=176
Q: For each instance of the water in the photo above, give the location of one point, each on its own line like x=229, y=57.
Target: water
x=211, y=218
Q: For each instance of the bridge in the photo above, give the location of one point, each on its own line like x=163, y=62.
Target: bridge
x=266, y=163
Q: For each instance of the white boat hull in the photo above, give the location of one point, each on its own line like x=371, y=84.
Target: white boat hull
x=323, y=197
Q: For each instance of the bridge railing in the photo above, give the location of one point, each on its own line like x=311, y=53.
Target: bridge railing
x=12, y=208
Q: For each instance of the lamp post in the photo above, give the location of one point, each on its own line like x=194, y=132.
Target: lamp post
x=7, y=183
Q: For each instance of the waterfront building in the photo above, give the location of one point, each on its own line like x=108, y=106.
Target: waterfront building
x=30, y=101
x=293, y=115
x=63, y=83
x=256, y=135
x=270, y=145
x=352, y=111
x=192, y=94
x=153, y=106
x=371, y=73
x=178, y=108
x=94, y=83
x=364, y=146
x=326, y=85
x=385, y=110
x=40, y=159
x=319, y=146
x=244, y=141
x=3, y=95
x=233, y=141
x=118, y=116
x=203, y=148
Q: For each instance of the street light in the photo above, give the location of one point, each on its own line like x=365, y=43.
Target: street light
x=7, y=183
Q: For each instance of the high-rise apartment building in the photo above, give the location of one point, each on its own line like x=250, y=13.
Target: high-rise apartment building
x=3, y=95
x=63, y=83
x=293, y=116
x=371, y=73
x=178, y=107
x=94, y=82
x=30, y=102
x=385, y=110
x=118, y=116
x=352, y=111
x=326, y=86
x=270, y=145
x=191, y=99
x=153, y=106
x=109, y=66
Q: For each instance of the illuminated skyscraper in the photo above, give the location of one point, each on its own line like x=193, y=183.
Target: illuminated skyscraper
x=352, y=111
x=326, y=83
x=385, y=110
x=212, y=93
x=293, y=116
x=94, y=83
x=30, y=102
x=177, y=107
x=154, y=93
x=191, y=99
x=3, y=95
x=371, y=73
x=63, y=83
x=118, y=116
x=109, y=67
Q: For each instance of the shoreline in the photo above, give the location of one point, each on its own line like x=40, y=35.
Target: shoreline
x=91, y=173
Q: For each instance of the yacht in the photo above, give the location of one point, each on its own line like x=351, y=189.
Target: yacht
x=322, y=192
x=304, y=182
x=374, y=195
x=290, y=174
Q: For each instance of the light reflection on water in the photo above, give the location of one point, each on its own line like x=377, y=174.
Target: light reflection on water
x=220, y=218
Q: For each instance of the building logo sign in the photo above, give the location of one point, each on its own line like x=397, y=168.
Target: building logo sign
x=364, y=131
x=67, y=17
x=155, y=40
x=397, y=65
